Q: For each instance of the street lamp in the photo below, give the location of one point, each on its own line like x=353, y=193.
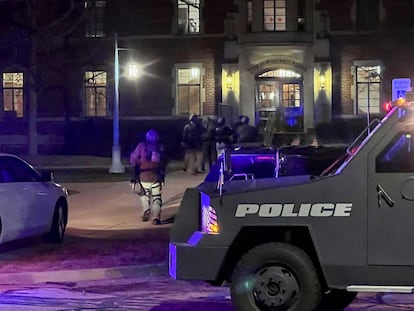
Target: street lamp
x=116, y=166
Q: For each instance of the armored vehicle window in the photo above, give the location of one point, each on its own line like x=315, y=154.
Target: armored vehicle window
x=397, y=156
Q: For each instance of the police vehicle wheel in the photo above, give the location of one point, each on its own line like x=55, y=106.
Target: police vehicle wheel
x=336, y=300
x=275, y=276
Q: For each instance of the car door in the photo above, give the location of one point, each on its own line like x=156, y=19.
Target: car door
x=12, y=211
x=28, y=208
x=391, y=199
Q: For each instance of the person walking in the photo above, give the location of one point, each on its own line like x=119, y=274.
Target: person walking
x=149, y=163
x=192, y=142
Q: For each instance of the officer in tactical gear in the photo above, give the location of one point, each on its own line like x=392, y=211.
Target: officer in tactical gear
x=150, y=173
x=193, y=143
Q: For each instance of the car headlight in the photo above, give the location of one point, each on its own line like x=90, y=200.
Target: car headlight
x=209, y=221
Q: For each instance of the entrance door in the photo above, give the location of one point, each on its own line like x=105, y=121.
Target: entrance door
x=292, y=106
x=280, y=101
x=268, y=100
x=391, y=200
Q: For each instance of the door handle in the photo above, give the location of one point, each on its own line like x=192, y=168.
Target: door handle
x=382, y=194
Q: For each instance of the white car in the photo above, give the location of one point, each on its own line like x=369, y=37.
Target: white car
x=31, y=203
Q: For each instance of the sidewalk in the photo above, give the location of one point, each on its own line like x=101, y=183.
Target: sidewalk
x=50, y=162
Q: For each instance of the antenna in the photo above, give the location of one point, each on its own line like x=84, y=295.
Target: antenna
x=220, y=182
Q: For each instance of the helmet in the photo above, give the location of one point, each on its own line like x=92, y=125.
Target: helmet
x=221, y=121
x=151, y=136
x=193, y=117
x=245, y=120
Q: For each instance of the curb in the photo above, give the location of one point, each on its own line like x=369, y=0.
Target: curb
x=174, y=166
x=27, y=278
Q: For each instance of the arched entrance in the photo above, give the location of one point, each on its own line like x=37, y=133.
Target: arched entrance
x=279, y=101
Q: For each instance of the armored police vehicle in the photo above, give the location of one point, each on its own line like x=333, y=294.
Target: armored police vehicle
x=302, y=243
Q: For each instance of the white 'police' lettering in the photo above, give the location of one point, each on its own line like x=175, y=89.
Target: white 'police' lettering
x=269, y=210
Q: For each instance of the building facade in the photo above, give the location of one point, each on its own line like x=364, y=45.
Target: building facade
x=289, y=65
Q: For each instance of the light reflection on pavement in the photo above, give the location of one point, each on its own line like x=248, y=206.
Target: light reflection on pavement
x=141, y=294
x=153, y=293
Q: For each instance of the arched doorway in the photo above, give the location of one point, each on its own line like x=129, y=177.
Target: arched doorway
x=279, y=101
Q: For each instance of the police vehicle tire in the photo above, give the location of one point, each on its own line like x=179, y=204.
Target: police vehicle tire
x=275, y=276
x=336, y=300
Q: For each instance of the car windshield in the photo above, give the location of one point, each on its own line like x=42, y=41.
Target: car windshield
x=352, y=149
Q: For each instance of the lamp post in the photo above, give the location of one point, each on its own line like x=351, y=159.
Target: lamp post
x=116, y=166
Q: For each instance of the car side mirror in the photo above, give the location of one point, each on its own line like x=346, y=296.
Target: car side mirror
x=46, y=176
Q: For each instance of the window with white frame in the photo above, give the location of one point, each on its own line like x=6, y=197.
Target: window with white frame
x=188, y=16
x=188, y=99
x=95, y=18
x=95, y=93
x=368, y=79
x=274, y=15
x=13, y=94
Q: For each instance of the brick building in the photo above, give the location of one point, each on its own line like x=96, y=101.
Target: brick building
x=290, y=65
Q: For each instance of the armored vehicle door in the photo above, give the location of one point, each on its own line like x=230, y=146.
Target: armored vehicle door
x=391, y=199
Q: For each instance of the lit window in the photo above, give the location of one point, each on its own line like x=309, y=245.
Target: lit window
x=280, y=73
x=13, y=94
x=95, y=18
x=368, y=89
x=95, y=93
x=188, y=91
x=188, y=16
x=274, y=15
x=291, y=95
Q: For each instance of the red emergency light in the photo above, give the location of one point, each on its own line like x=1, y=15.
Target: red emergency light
x=387, y=107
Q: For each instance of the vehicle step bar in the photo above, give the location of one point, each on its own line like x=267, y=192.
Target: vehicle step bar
x=380, y=289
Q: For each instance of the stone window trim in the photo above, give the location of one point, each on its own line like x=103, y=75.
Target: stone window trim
x=103, y=112
x=188, y=16
x=175, y=85
x=174, y=22
x=354, y=90
x=17, y=92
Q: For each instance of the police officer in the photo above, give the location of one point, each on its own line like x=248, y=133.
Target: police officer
x=148, y=159
x=193, y=144
x=224, y=135
x=246, y=133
